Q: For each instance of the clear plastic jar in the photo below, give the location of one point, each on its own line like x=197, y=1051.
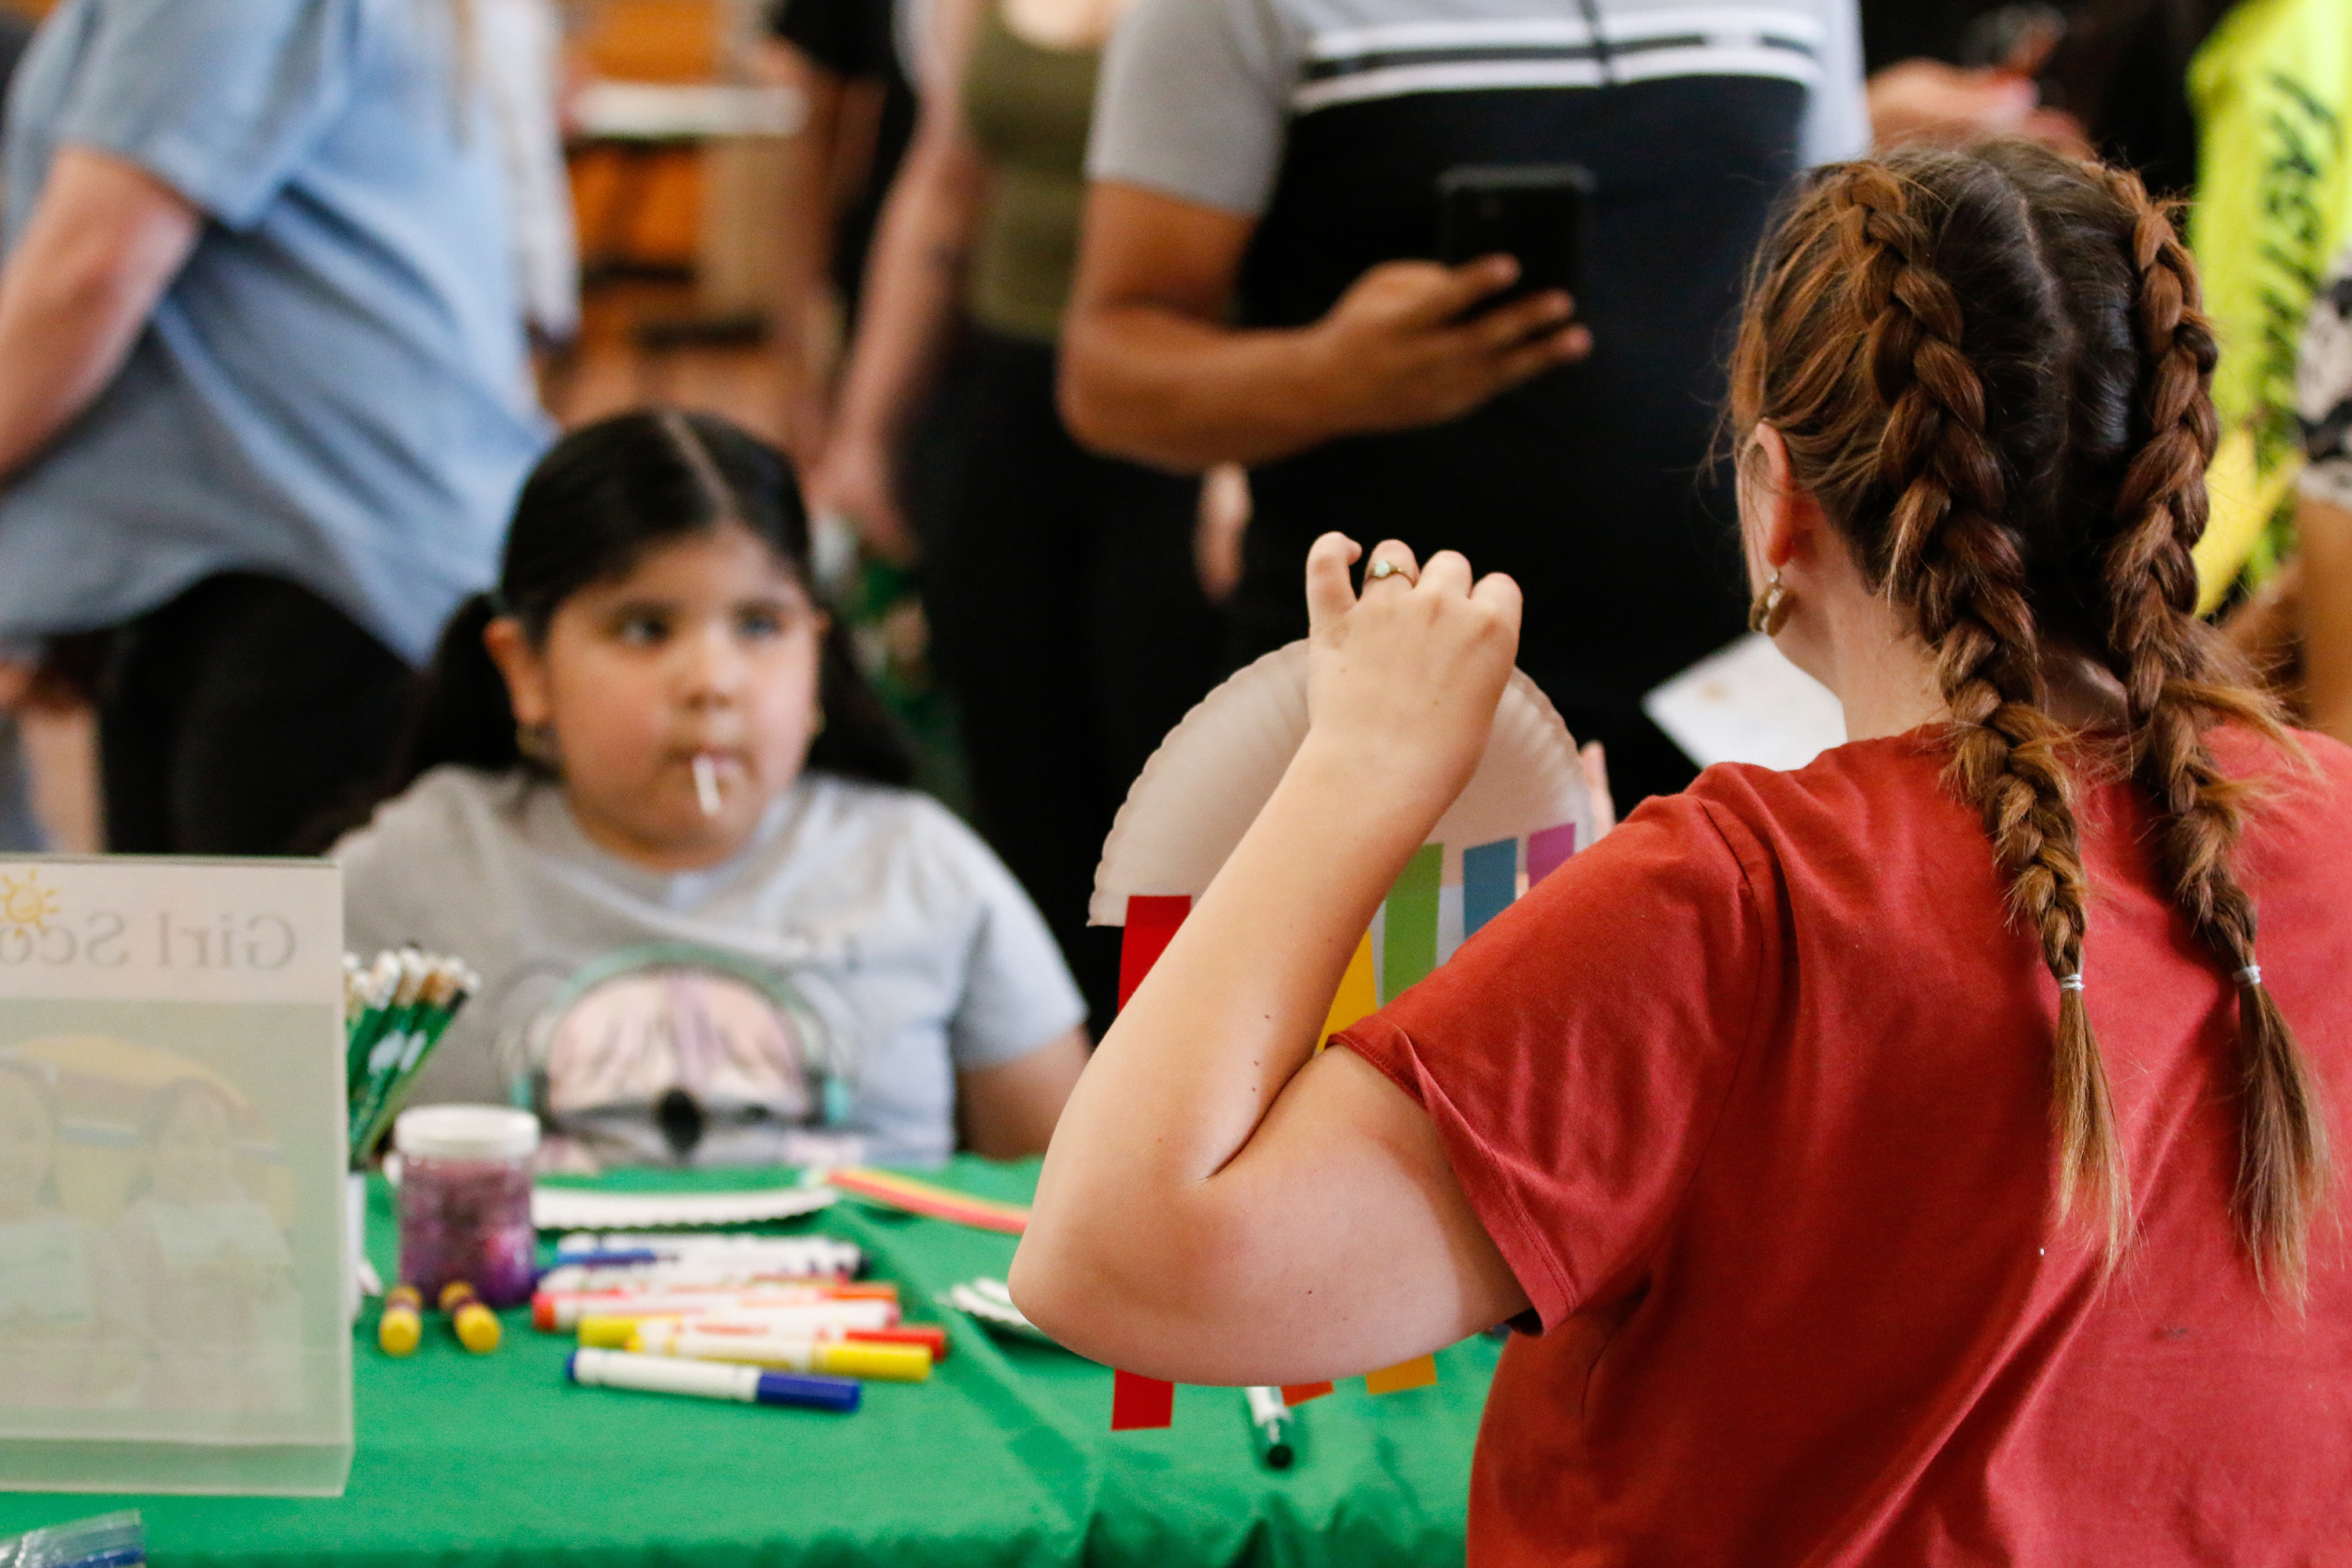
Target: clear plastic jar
x=464, y=1200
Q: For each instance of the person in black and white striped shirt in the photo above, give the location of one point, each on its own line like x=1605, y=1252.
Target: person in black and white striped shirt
x=1255, y=286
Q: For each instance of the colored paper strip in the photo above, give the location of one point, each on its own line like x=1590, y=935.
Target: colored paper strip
x=1490, y=881
x=1138, y=1403
x=1548, y=849
x=1295, y=1393
x=1151, y=922
x=1409, y=945
x=1356, y=999
x=923, y=1198
x=1418, y=1372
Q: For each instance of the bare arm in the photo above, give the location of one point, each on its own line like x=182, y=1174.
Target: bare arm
x=105, y=240
x=1008, y=1111
x=805, y=191
x=1215, y=1207
x=913, y=281
x=2327, y=601
x=1150, y=370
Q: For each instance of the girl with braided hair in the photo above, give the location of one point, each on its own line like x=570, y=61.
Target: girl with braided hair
x=1910, y=1159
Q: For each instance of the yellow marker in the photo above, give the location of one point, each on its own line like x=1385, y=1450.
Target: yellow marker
x=403, y=1324
x=783, y=1352
x=477, y=1325
x=612, y=1334
x=1357, y=999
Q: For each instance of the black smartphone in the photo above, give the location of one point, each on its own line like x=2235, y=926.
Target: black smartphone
x=1538, y=213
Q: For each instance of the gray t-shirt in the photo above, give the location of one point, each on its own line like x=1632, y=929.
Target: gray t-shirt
x=334, y=389
x=1197, y=95
x=907, y=951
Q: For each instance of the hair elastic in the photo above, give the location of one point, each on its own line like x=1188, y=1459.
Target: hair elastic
x=2071, y=981
x=2250, y=976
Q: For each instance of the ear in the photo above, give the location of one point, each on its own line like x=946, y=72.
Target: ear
x=1780, y=518
x=522, y=668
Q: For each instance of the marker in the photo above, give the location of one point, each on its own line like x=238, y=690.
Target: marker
x=477, y=1325
x=698, y=1274
x=559, y=1312
x=706, y=784
x=1271, y=1427
x=403, y=1324
x=710, y=1380
x=787, y=1353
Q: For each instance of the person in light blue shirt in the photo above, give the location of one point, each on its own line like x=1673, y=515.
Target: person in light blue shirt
x=264, y=395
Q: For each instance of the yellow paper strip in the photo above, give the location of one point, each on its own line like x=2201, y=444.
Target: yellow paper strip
x=1356, y=998
x=1418, y=1372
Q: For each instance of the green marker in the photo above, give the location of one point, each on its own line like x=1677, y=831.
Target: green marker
x=1274, y=1428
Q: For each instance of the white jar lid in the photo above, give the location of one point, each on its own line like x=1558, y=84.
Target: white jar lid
x=466, y=1132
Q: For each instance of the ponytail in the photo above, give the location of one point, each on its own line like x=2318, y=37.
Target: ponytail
x=463, y=714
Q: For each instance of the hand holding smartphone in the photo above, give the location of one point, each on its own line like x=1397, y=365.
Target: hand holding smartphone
x=1538, y=213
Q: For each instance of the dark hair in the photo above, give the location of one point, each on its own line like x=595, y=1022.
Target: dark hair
x=601, y=499
x=1991, y=368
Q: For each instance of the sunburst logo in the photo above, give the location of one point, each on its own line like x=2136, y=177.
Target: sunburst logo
x=27, y=904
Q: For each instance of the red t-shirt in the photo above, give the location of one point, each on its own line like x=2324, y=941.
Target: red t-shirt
x=1754, y=1097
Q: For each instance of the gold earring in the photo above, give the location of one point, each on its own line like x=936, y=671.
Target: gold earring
x=536, y=743
x=1769, y=611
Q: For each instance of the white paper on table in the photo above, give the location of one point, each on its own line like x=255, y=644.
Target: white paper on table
x=578, y=1208
x=1747, y=704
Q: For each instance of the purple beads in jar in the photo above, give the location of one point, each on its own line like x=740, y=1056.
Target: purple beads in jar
x=464, y=1200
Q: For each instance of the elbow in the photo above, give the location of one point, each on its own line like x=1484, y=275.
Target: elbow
x=1090, y=406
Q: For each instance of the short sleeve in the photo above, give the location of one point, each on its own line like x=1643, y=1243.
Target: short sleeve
x=1837, y=117
x=1195, y=102
x=221, y=99
x=2322, y=387
x=1577, y=1053
x=1017, y=991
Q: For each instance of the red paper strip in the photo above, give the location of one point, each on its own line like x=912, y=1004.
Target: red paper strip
x=1138, y=1402
x=1296, y=1393
x=1152, y=922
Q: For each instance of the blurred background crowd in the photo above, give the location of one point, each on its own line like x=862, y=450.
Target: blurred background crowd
x=1079, y=321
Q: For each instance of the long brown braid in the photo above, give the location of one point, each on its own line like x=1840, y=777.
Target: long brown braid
x=1990, y=368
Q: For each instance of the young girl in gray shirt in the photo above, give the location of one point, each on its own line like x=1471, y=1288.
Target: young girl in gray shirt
x=652, y=802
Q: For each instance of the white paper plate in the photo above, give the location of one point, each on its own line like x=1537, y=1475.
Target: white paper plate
x=1208, y=781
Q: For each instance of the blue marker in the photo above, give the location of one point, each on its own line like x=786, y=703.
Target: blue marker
x=711, y=1380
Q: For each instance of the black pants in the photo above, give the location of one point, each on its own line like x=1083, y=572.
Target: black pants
x=240, y=715
x=1072, y=627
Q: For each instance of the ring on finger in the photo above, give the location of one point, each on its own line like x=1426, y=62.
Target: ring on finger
x=1379, y=570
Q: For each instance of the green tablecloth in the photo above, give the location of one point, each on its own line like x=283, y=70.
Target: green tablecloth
x=1004, y=1457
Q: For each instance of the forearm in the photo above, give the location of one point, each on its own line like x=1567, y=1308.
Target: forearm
x=913, y=282
x=1144, y=382
x=1226, y=1018
x=63, y=335
x=103, y=243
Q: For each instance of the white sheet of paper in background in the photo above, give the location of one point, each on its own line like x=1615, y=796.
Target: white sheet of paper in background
x=171, y=1190
x=1747, y=704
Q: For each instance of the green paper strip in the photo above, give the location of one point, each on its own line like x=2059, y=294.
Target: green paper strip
x=1408, y=941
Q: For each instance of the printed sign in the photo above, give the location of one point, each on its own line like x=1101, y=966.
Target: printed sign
x=171, y=1216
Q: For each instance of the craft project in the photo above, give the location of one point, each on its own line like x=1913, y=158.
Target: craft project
x=1524, y=812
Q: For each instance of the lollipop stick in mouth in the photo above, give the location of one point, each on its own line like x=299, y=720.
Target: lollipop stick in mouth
x=706, y=785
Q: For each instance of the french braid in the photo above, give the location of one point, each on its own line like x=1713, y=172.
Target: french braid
x=1990, y=368
x=2167, y=662
x=1962, y=568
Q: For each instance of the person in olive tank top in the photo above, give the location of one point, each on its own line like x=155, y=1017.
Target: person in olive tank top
x=1066, y=606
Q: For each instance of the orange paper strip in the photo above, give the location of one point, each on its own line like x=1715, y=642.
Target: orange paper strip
x=1296, y=1393
x=1418, y=1372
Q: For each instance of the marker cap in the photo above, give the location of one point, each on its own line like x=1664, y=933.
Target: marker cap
x=838, y=1395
